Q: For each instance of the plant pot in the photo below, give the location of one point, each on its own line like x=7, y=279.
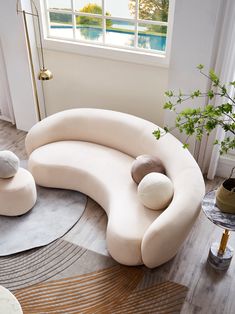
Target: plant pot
x=225, y=196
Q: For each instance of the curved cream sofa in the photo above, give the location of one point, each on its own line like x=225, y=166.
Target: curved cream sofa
x=92, y=150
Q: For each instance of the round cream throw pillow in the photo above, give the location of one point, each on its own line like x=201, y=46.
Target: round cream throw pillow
x=9, y=164
x=155, y=191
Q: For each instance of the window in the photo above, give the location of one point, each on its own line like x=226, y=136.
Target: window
x=134, y=25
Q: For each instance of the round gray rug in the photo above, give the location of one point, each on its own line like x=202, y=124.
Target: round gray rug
x=55, y=213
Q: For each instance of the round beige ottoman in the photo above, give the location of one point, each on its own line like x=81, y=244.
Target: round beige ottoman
x=9, y=303
x=17, y=194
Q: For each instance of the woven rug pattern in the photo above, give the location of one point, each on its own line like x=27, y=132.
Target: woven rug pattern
x=162, y=298
x=112, y=290
x=64, y=278
x=90, y=293
x=37, y=265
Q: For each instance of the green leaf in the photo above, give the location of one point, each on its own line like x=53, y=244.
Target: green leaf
x=227, y=128
x=168, y=105
x=187, y=111
x=200, y=66
x=209, y=108
x=197, y=93
x=210, y=125
x=169, y=93
x=157, y=134
x=226, y=108
x=223, y=90
x=186, y=145
x=214, y=77
x=232, y=83
x=210, y=94
x=179, y=100
x=228, y=143
x=178, y=118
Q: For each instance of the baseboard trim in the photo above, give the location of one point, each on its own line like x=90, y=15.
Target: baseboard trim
x=225, y=165
x=2, y=117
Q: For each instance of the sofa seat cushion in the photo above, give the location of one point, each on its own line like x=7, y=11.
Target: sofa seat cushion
x=104, y=174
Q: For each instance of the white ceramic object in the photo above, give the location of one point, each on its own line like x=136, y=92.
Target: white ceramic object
x=8, y=302
x=155, y=191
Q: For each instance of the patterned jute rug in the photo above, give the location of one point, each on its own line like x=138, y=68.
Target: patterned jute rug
x=64, y=278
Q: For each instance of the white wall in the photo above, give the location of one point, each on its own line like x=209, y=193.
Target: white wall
x=82, y=81
x=194, y=42
x=16, y=59
x=6, y=110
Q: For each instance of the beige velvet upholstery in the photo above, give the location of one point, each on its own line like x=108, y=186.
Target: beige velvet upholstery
x=17, y=194
x=92, y=151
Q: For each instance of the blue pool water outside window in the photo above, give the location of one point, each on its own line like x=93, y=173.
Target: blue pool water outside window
x=134, y=25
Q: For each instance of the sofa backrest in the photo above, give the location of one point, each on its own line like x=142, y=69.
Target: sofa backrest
x=124, y=132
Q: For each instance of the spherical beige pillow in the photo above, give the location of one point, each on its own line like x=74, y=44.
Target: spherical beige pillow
x=9, y=164
x=145, y=164
x=155, y=191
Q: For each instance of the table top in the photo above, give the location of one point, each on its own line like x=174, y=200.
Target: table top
x=8, y=302
x=223, y=220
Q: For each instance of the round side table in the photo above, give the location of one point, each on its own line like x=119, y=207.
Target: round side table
x=8, y=302
x=220, y=254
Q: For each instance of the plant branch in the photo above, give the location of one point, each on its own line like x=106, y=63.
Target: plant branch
x=205, y=118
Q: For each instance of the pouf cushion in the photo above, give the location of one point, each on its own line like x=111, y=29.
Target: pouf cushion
x=17, y=194
x=9, y=164
x=155, y=191
x=8, y=302
x=145, y=164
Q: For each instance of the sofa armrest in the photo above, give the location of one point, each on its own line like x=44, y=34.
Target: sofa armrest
x=166, y=234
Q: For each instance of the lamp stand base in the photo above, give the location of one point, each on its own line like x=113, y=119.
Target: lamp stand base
x=220, y=261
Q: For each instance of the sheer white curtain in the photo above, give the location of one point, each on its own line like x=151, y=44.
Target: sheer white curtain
x=6, y=110
x=225, y=68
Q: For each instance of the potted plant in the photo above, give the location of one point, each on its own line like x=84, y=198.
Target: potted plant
x=203, y=120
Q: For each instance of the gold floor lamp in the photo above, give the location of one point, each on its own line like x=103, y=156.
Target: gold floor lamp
x=44, y=74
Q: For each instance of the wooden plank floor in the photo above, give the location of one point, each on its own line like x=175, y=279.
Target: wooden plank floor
x=209, y=292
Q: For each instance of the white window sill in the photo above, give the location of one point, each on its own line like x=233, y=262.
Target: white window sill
x=111, y=53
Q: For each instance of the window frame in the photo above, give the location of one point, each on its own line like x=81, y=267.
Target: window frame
x=105, y=50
